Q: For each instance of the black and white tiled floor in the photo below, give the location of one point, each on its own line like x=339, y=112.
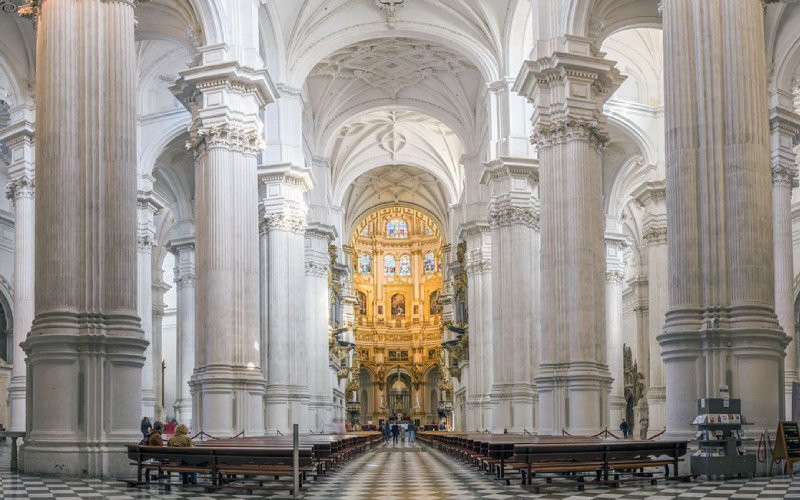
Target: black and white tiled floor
x=397, y=472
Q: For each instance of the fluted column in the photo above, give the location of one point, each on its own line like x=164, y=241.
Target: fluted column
x=568, y=87
x=85, y=347
x=317, y=321
x=18, y=138
x=784, y=127
x=185, y=327
x=615, y=274
x=652, y=197
x=226, y=94
x=477, y=263
x=283, y=220
x=158, y=290
x=720, y=325
x=148, y=207
x=514, y=220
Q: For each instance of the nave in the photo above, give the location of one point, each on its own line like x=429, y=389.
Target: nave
x=393, y=472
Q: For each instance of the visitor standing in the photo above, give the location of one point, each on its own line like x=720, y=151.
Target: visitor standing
x=387, y=431
x=146, y=426
x=395, y=432
x=623, y=426
x=411, y=432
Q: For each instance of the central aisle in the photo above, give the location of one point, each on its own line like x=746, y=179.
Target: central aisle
x=405, y=471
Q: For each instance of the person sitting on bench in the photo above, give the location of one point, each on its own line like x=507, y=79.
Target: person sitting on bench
x=181, y=439
x=155, y=438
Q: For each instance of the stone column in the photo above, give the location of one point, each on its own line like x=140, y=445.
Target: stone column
x=148, y=207
x=284, y=223
x=514, y=220
x=568, y=87
x=226, y=95
x=784, y=127
x=85, y=348
x=615, y=274
x=185, y=327
x=317, y=319
x=18, y=138
x=720, y=326
x=477, y=263
x=652, y=197
x=158, y=290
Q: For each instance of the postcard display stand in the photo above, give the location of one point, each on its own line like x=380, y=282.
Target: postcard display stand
x=719, y=438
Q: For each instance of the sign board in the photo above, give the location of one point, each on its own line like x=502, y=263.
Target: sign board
x=787, y=445
x=795, y=401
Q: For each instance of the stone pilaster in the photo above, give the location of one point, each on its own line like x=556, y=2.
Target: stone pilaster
x=784, y=128
x=652, y=198
x=720, y=325
x=283, y=227
x=477, y=263
x=85, y=349
x=318, y=239
x=615, y=274
x=569, y=86
x=225, y=95
x=21, y=188
x=158, y=290
x=185, y=278
x=148, y=206
x=514, y=223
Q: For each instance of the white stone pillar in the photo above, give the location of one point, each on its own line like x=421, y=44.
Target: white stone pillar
x=514, y=220
x=85, y=348
x=477, y=263
x=148, y=207
x=317, y=322
x=652, y=197
x=568, y=87
x=226, y=95
x=185, y=327
x=784, y=127
x=720, y=326
x=18, y=138
x=158, y=291
x=615, y=269
x=283, y=228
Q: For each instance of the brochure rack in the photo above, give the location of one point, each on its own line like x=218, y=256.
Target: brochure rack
x=719, y=438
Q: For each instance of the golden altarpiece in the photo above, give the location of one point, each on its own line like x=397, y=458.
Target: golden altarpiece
x=397, y=279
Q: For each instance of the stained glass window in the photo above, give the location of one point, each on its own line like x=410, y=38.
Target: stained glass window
x=428, y=231
x=365, y=263
x=405, y=266
x=397, y=228
x=430, y=263
x=389, y=265
x=365, y=231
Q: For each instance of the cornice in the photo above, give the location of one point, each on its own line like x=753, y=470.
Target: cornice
x=508, y=166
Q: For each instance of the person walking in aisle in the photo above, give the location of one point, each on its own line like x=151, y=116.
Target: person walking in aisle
x=395, y=432
x=411, y=432
x=387, y=432
x=623, y=426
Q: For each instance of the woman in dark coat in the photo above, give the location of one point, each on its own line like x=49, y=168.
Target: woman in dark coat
x=146, y=426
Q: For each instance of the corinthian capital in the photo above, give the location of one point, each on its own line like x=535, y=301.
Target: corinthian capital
x=23, y=186
x=228, y=136
x=784, y=175
x=562, y=131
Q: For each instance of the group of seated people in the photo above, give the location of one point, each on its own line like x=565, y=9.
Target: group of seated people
x=180, y=438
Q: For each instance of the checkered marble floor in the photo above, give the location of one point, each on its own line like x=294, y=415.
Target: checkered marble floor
x=402, y=471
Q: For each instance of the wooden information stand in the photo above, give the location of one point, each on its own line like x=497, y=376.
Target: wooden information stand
x=787, y=446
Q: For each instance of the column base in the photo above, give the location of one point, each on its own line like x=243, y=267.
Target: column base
x=321, y=414
x=183, y=411
x=656, y=409
x=149, y=404
x=85, y=399
x=286, y=405
x=228, y=400
x=16, y=400
x=512, y=408
x=573, y=397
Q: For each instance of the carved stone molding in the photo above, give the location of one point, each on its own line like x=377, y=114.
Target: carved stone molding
x=503, y=216
x=655, y=234
x=290, y=220
x=228, y=136
x=145, y=241
x=478, y=262
x=615, y=277
x=784, y=175
x=185, y=278
x=21, y=187
x=320, y=269
x=562, y=131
